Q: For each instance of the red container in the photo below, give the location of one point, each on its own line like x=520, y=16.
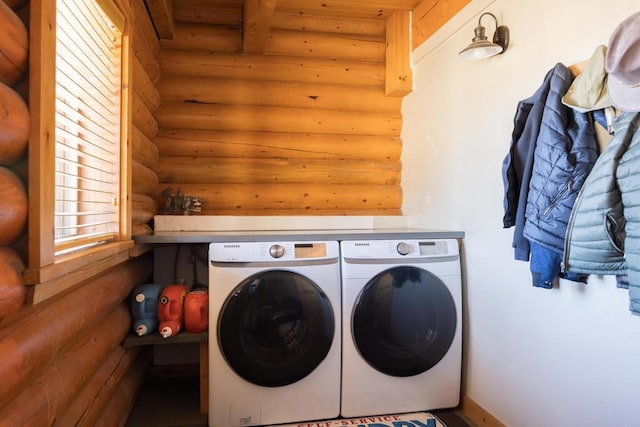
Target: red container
x=171, y=310
x=196, y=311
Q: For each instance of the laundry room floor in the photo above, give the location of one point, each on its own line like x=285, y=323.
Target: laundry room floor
x=174, y=401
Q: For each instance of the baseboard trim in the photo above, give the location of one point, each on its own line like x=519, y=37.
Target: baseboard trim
x=478, y=414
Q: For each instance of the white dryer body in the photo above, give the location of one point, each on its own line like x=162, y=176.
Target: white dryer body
x=402, y=326
x=275, y=332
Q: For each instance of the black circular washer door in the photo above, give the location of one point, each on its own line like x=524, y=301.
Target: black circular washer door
x=404, y=320
x=275, y=328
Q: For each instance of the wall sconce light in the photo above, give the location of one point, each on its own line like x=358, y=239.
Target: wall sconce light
x=480, y=47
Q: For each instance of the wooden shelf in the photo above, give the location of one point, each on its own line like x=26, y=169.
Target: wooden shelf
x=133, y=340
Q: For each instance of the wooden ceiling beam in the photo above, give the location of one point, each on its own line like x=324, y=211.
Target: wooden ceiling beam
x=430, y=15
x=257, y=17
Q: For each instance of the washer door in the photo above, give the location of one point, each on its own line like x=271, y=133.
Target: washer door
x=275, y=328
x=404, y=320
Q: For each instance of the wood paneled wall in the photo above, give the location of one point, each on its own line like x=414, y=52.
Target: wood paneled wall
x=303, y=128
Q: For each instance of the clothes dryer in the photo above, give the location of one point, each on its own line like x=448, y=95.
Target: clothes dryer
x=402, y=326
x=275, y=327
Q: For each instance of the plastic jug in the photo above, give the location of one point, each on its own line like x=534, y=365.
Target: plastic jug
x=196, y=311
x=144, y=308
x=171, y=310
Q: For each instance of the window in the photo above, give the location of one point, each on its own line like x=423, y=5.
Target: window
x=78, y=185
x=88, y=81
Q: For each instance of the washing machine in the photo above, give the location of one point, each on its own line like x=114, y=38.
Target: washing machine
x=275, y=332
x=402, y=326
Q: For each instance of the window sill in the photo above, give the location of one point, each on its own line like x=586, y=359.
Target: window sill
x=69, y=270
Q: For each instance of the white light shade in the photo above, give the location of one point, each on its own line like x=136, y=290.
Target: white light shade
x=480, y=49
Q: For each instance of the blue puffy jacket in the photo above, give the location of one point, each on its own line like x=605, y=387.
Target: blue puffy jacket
x=566, y=150
x=563, y=144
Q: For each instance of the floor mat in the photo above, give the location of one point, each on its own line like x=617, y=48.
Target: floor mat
x=415, y=419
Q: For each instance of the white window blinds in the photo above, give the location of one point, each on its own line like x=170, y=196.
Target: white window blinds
x=88, y=130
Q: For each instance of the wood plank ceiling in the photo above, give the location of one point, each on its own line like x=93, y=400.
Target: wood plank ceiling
x=255, y=15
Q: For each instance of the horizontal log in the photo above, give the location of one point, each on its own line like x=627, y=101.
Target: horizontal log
x=256, y=24
x=141, y=230
x=353, y=8
x=144, y=87
x=161, y=13
x=93, y=396
x=144, y=28
x=143, y=118
x=294, y=196
x=203, y=143
x=276, y=119
x=143, y=208
x=145, y=45
x=14, y=46
x=329, y=24
x=204, y=170
x=209, y=90
x=145, y=180
x=15, y=4
x=205, y=37
x=144, y=151
x=118, y=407
x=25, y=350
x=147, y=60
x=218, y=12
x=13, y=209
x=351, y=47
x=266, y=211
x=12, y=289
x=40, y=402
x=14, y=126
x=92, y=401
x=272, y=67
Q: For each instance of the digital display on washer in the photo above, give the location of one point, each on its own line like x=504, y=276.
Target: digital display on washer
x=433, y=248
x=310, y=250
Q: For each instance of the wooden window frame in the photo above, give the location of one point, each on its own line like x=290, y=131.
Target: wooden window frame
x=53, y=274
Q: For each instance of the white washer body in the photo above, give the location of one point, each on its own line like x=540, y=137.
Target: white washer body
x=236, y=401
x=367, y=390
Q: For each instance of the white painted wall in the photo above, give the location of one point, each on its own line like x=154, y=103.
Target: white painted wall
x=534, y=357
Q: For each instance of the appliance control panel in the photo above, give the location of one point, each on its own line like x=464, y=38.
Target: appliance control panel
x=272, y=251
x=398, y=249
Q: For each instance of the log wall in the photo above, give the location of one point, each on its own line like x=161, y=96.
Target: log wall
x=301, y=128
x=14, y=137
x=61, y=361
x=146, y=99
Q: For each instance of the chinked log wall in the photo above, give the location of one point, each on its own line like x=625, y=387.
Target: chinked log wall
x=304, y=128
x=61, y=361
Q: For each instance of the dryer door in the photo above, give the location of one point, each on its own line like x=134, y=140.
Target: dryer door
x=275, y=328
x=404, y=320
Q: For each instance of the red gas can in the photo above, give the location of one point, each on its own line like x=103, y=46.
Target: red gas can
x=196, y=311
x=171, y=310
